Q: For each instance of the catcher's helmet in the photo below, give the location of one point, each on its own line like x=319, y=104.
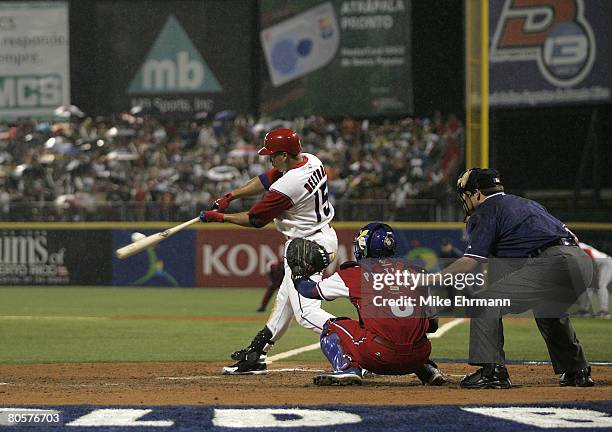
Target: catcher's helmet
x=375, y=240
x=281, y=140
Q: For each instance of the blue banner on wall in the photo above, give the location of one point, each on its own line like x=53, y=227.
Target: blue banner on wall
x=550, y=53
x=169, y=264
x=422, y=247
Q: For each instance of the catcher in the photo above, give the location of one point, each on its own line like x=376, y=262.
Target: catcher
x=386, y=345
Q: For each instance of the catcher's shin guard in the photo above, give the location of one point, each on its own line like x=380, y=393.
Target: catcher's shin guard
x=330, y=345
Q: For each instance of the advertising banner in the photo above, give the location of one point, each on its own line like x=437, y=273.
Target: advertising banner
x=55, y=257
x=236, y=258
x=336, y=57
x=550, y=52
x=169, y=264
x=240, y=258
x=34, y=58
x=176, y=58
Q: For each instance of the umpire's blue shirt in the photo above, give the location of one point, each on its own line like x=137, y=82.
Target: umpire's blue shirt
x=509, y=226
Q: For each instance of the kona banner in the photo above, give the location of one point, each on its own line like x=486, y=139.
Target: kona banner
x=176, y=58
x=241, y=257
x=34, y=65
x=336, y=58
x=550, y=52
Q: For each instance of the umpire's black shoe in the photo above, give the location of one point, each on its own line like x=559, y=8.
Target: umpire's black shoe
x=491, y=376
x=582, y=378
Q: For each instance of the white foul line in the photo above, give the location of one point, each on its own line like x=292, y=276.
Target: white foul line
x=293, y=352
x=439, y=333
x=37, y=318
x=446, y=327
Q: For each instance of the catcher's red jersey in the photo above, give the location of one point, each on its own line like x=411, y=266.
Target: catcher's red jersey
x=346, y=283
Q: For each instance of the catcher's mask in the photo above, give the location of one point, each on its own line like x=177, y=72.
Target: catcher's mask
x=486, y=180
x=375, y=240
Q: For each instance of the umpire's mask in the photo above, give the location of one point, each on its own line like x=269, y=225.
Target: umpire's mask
x=487, y=181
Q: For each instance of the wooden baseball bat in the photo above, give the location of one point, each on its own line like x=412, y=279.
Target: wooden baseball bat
x=153, y=239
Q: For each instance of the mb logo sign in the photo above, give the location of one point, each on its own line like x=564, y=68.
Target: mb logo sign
x=173, y=65
x=172, y=75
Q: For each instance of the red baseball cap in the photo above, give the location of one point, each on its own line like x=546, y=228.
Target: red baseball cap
x=281, y=140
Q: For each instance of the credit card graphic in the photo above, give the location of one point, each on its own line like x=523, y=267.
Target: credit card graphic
x=302, y=44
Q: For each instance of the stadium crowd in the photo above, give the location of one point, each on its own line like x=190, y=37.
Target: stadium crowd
x=139, y=167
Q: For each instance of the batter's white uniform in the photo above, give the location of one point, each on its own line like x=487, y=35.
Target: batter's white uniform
x=309, y=217
x=603, y=262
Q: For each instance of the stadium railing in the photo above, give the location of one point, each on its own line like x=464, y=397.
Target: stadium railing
x=413, y=210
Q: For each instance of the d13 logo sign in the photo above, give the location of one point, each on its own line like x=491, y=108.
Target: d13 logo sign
x=554, y=33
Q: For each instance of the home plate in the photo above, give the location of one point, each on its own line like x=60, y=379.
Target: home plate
x=188, y=378
x=296, y=370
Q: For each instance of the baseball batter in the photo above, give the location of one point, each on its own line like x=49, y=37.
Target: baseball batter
x=297, y=202
x=383, y=343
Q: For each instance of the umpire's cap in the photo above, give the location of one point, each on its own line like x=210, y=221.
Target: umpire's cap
x=486, y=180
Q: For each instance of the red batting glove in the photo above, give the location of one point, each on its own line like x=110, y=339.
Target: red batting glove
x=222, y=203
x=212, y=216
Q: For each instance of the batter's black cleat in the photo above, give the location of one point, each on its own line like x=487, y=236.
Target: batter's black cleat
x=252, y=365
x=260, y=344
x=252, y=359
x=582, y=378
x=346, y=377
x=491, y=376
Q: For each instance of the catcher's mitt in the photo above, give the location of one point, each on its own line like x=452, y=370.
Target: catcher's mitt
x=306, y=258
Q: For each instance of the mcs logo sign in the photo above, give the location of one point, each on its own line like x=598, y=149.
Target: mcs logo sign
x=173, y=65
x=30, y=91
x=554, y=33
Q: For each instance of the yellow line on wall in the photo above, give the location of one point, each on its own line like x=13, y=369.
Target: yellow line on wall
x=135, y=226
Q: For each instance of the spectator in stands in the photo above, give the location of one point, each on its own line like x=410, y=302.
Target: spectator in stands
x=136, y=168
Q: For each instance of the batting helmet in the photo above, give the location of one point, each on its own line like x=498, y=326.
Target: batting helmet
x=281, y=140
x=375, y=240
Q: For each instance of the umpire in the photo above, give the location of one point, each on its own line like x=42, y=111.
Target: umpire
x=552, y=273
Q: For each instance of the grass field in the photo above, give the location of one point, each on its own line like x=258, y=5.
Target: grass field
x=52, y=325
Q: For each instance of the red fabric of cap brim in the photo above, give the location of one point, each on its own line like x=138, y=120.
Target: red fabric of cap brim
x=265, y=151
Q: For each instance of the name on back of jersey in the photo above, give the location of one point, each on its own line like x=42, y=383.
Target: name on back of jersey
x=314, y=179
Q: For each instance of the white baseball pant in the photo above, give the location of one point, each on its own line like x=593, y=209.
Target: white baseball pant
x=290, y=304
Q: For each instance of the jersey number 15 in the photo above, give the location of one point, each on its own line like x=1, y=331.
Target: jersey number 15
x=321, y=203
